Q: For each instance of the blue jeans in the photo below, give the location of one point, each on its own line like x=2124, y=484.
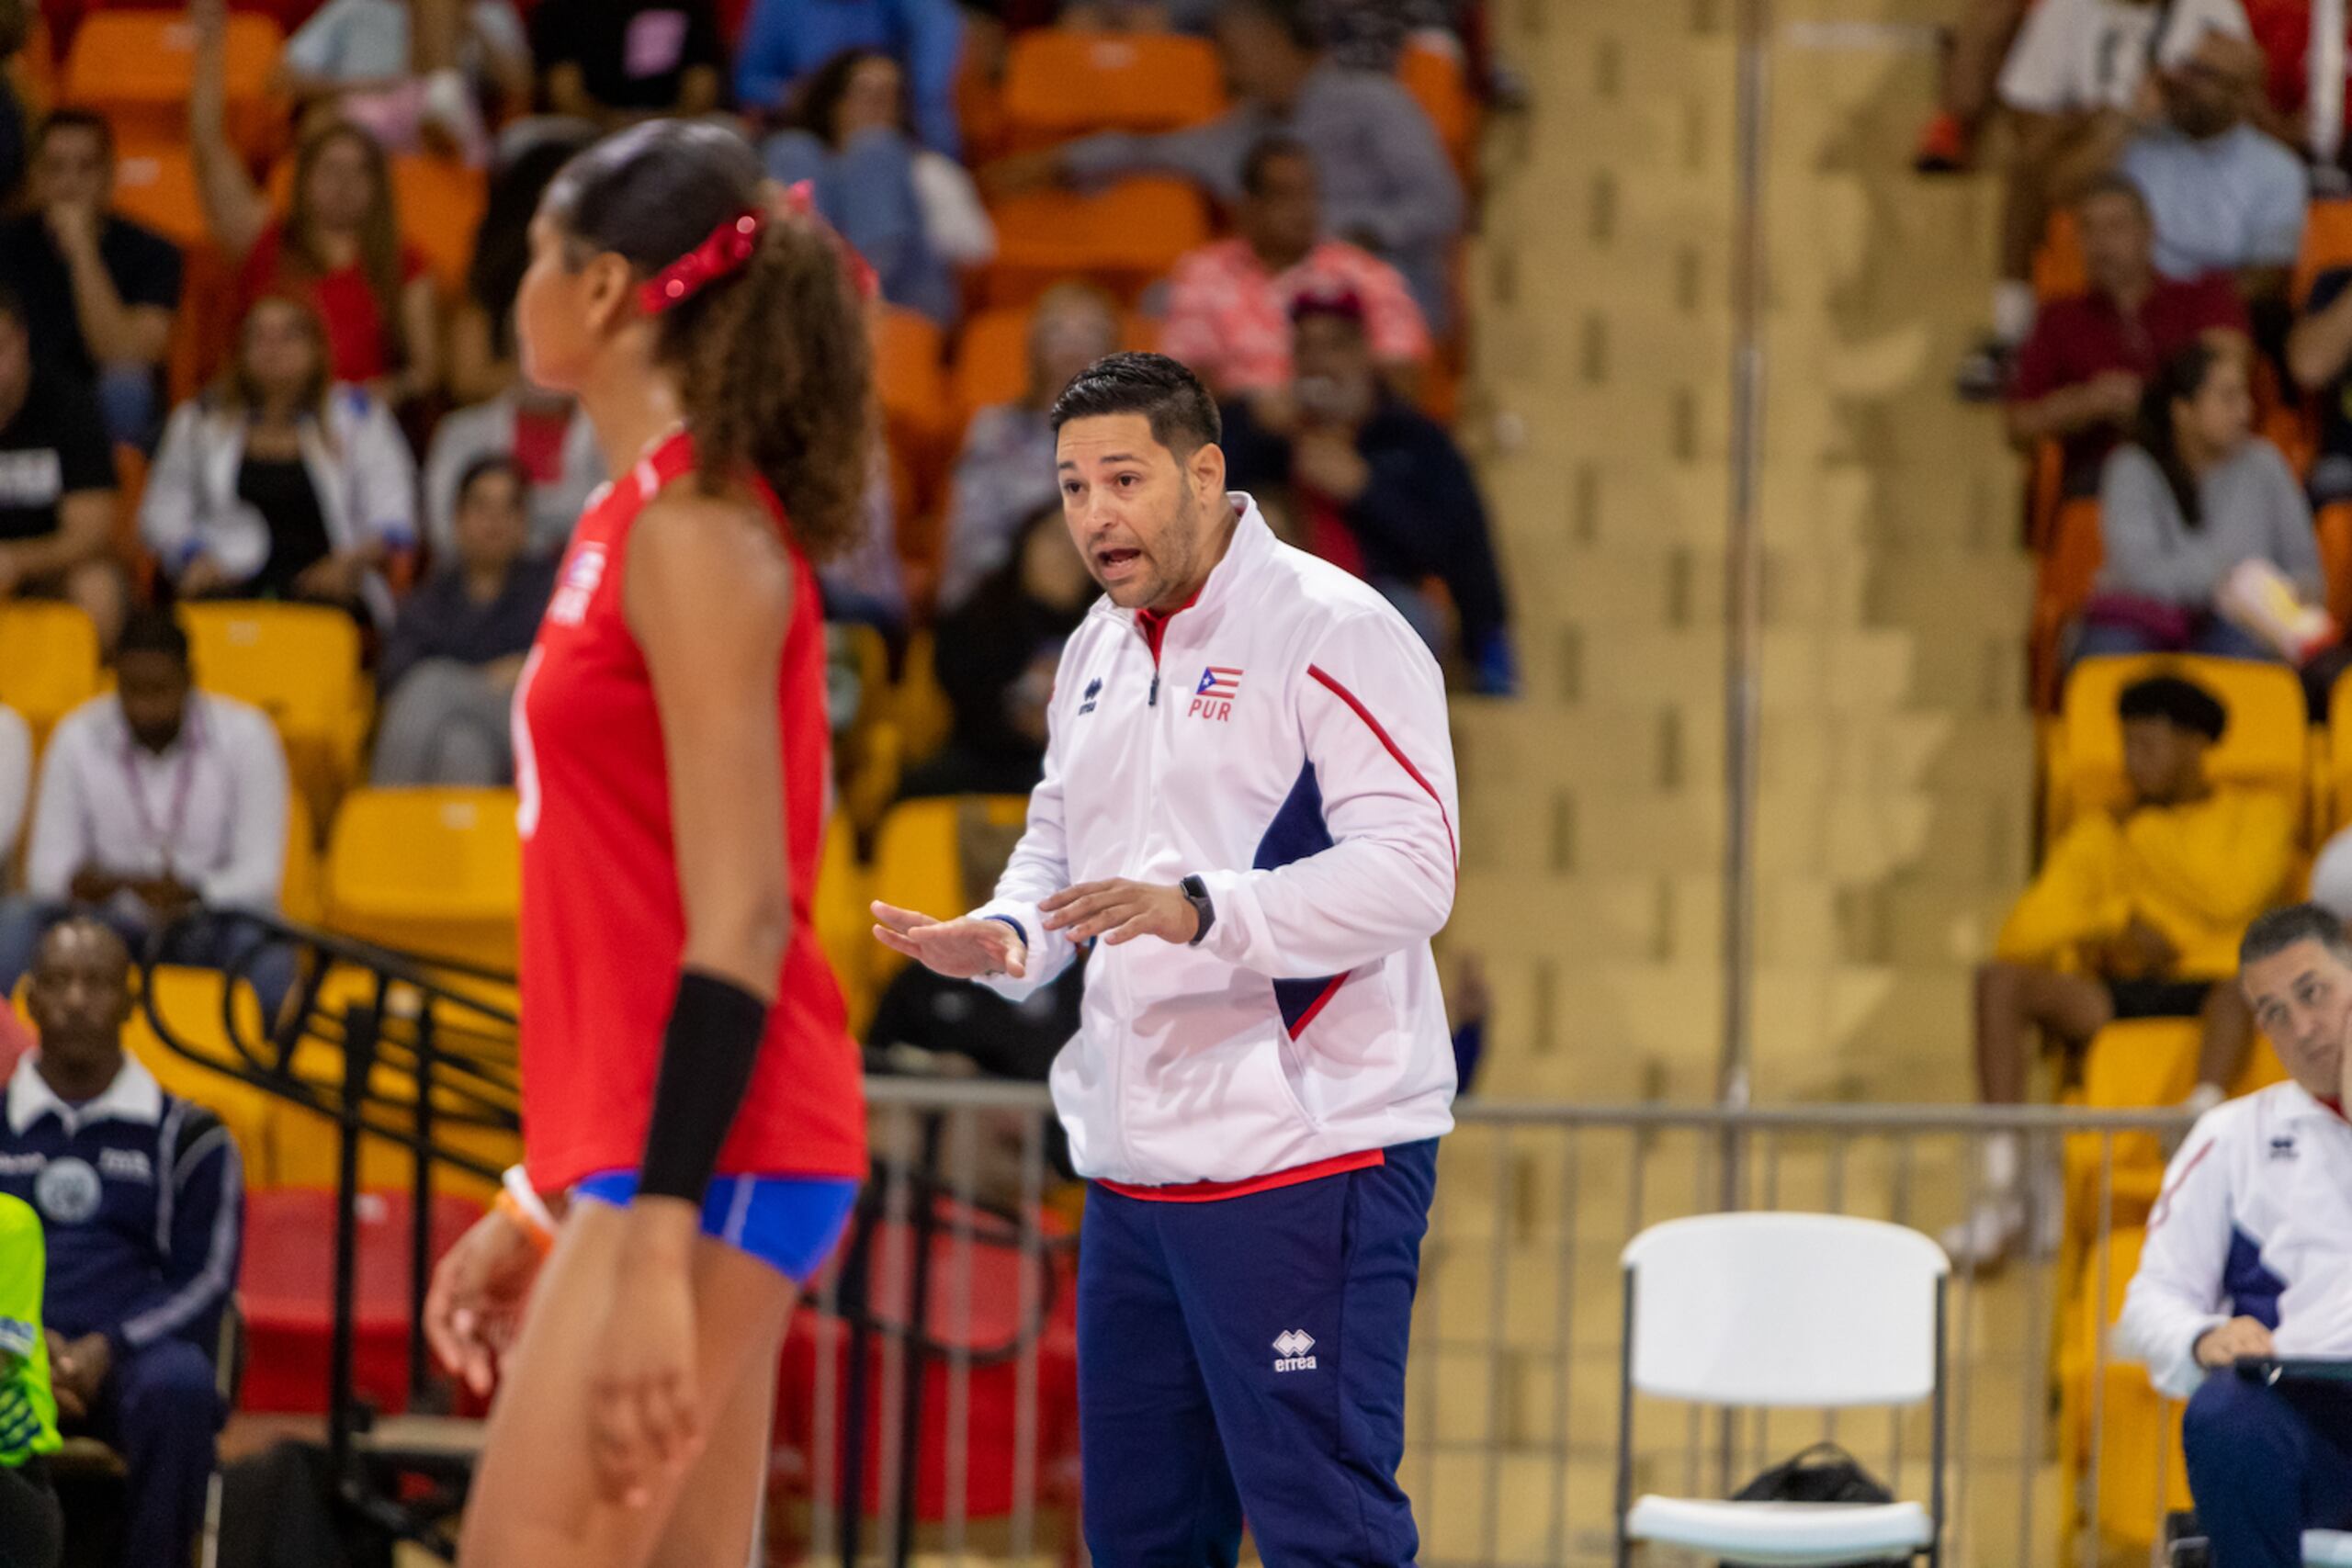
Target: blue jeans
x=1247, y=1356
x=127, y=404
x=2212, y=636
x=2266, y=1463
x=205, y=940
x=868, y=191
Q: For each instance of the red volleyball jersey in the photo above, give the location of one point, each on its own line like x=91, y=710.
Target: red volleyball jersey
x=604, y=925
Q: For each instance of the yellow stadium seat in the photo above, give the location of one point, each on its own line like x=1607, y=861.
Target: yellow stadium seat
x=191, y=1003
x=135, y=66
x=1126, y=238
x=917, y=864
x=48, y=662
x=2266, y=745
x=920, y=707
x=845, y=927
x=299, y=897
x=2139, y=1431
x=300, y=664
x=1060, y=83
x=2336, y=788
x=436, y=871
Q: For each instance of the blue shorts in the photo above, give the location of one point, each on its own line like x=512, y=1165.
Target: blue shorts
x=789, y=1222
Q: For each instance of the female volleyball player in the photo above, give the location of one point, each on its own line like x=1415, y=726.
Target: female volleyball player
x=690, y=1097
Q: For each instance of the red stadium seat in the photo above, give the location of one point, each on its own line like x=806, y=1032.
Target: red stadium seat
x=287, y=1289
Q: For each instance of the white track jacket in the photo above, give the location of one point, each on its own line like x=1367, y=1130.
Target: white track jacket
x=2254, y=1221
x=1289, y=746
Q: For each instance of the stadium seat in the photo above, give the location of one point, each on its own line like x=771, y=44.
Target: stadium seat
x=48, y=662
x=286, y=1287
x=436, y=871
x=2327, y=245
x=920, y=707
x=300, y=664
x=2266, y=745
x=2333, y=526
x=845, y=927
x=32, y=71
x=2139, y=1431
x=2058, y=270
x=1124, y=238
x=154, y=183
x=301, y=897
x=1060, y=83
x=439, y=202
x=2064, y=575
x=191, y=1002
x=134, y=66
x=992, y=356
x=1438, y=79
x=912, y=386
x=918, y=865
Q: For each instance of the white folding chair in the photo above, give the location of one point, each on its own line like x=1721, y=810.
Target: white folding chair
x=1808, y=1311
x=2327, y=1548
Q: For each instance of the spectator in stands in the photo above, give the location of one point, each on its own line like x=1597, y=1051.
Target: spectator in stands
x=2318, y=355
x=2192, y=495
x=15, y=780
x=1973, y=48
x=481, y=325
x=354, y=60
x=2290, y=111
x=997, y=654
x=2226, y=198
x=99, y=291
x=2081, y=375
x=57, y=484
x=278, y=483
x=1228, y=302
x=547, y=441
x=1005, y=472
x=613, y=61
x=2133, y=915
x=2247, y=1257
x=339, y=245
x=163, y=810
x=913, y=213
x=2074, y=84
x=449, y=666
x=865, y=584
x=784, y=43
x=142, y=1196
x=1363, y=35
x=1373, y=484
x=1387, y=182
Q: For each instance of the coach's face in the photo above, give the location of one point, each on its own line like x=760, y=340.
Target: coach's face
x=2302, y=998
x=1146, y=522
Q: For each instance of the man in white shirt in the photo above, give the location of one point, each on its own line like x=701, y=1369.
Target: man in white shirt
x=1248, y=812
x=2226, y=196
x=2249, y=1257
x=161, y=810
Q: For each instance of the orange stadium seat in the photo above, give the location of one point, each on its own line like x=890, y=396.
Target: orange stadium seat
x=912, y=386
x=2266, y=746
x=2332, y=524
x=2064, y=576
x=48, y=662
x=33, y=71
x=439, y=202
x=154, y=183
x=135, y=67
x=1061, y=82
x=2327, y=245
x=992, y=356
x=2058, y=263
x=1124, y=238
x=438, y=870
x=1439, y=82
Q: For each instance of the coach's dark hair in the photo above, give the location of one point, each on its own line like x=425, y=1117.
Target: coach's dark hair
x=2276, y=930
x=1295, y=18
x=153, y=631
x=1183, y=416
x=772, y=363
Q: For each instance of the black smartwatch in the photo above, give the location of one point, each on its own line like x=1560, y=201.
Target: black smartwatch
x=1196, y=893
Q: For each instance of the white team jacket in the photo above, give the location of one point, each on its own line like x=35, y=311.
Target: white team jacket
x=1291, y=748
x=2254, y=1221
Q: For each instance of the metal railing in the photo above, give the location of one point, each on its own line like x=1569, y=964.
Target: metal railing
x=959, y=1442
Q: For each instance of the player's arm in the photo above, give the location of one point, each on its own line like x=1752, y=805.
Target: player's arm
x=709, y=595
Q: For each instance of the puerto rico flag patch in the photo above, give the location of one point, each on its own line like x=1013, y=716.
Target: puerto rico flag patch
x=1213, y=698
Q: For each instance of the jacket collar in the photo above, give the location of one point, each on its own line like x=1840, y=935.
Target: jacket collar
x=134, y=1096
x=1246, y=554
x=2299, y=1104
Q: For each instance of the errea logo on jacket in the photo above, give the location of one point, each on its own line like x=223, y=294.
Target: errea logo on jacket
x=1291, y=1348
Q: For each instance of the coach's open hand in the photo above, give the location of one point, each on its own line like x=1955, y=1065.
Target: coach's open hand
x=1122, y=912
x=962, y=949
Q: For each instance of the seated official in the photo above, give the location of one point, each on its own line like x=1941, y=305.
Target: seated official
x=2135, y=914
x=143, y=1194
x=2249, y=1254
x=163, y=810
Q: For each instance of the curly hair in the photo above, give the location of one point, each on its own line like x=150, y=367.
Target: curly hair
x=773, y=361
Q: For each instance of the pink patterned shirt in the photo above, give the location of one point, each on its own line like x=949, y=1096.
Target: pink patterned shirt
x=1228, y=318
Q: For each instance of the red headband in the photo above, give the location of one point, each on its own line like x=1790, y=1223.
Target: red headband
x=730, y=244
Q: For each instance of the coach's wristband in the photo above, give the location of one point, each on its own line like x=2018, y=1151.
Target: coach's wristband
x=1018, y=928
x=707, y=1054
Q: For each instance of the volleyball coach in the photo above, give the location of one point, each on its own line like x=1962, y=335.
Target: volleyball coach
x=1248, y=811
